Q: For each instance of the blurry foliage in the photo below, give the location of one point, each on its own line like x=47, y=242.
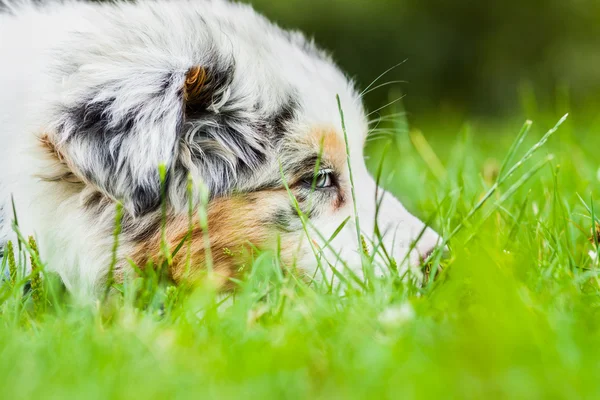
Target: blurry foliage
x=463, y=56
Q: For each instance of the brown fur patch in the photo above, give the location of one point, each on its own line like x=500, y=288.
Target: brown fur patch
x=332, y=144
x=195, y=81
x=235, y=225
x=59, y=169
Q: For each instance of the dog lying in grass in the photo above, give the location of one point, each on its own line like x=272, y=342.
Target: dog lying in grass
x=241, y=115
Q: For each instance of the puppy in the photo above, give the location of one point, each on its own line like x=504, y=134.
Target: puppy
x=95, y=97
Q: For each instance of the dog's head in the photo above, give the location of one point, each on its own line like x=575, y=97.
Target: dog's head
x=216, y=93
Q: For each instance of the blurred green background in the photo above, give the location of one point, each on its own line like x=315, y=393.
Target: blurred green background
x=466, y=58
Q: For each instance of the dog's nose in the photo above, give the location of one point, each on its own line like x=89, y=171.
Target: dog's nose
x=427, y=256
x=428, y=245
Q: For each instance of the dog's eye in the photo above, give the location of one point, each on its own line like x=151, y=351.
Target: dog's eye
x=324, y=180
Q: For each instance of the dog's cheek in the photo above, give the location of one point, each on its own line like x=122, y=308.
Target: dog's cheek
x=236, y=227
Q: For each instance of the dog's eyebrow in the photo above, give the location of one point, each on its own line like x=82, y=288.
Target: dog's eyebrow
x=303, y=166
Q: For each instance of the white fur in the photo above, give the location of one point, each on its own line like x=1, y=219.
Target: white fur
x=59, y=54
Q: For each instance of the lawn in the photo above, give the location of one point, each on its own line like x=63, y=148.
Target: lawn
x=515, y=312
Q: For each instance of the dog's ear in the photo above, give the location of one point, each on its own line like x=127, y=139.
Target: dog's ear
x=115, y=134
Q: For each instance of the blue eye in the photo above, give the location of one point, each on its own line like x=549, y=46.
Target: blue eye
x=324, y=180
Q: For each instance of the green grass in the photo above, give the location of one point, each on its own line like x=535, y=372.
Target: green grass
x=514, y=314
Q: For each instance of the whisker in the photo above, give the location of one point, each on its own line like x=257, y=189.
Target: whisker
x=381, y=76
x=378, y=133
x=365, y=92
x=385, y=106
x=388, y=117
x=378, y=121
x=378, y=136
x=393, y=131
